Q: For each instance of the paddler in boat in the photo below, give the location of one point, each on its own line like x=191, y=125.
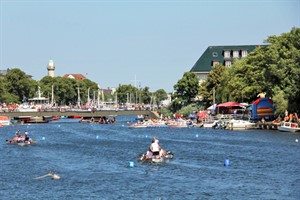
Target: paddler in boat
x=27, y=138
x=149, y=154
x=18, y=133
x=20, y=139
x=161, y=151
x=155, y=148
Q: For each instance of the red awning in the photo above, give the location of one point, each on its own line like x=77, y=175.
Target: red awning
x=230, y=105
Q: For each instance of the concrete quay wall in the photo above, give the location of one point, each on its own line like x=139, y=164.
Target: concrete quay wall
x=98, y=113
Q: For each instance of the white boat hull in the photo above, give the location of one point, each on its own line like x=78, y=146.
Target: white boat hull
x=240, y=125
x=289, y=127
x=5, y=122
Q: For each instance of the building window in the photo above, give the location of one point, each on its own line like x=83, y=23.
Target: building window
x=227, y=63
x=236, y=54
x=215, y=54
x=215, y=62
x=244, y=53
x=226, y=54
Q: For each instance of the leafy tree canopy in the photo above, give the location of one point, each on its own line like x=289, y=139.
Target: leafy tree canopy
x=187, y=88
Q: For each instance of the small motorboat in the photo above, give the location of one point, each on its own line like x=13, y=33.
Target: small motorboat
x=138, y=125
x=289, y=127
x=4, y=121
x=178, y=124
x=240, y=124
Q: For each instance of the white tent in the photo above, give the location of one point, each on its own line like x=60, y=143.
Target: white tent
x=212, y=107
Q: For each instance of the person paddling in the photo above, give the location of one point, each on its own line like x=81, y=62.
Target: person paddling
x=18, y=133
x=27, y=138
x=155, y=148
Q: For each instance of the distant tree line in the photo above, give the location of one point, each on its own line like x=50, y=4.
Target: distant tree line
x=16, y=87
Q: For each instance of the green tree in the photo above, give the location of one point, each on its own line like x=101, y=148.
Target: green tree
x=125, y=92
x=187, y=88
x=246, y=78
x=280, y=102
x=6, y=97
x=160, y=95
x=19, y=84
x=282, y=63
x=213, y=81
x=65, y=91
x=146, y=95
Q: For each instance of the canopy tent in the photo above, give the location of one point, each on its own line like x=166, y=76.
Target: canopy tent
x=212, y=107
x=230, y=105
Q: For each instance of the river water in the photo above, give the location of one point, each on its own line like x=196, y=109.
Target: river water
x=93, y=162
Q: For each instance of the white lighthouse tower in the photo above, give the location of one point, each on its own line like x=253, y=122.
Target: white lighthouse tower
x=51, y=68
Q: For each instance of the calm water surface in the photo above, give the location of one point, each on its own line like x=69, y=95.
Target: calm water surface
x=93, y=162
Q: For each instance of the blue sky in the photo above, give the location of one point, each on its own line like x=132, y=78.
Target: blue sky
x=111, y=42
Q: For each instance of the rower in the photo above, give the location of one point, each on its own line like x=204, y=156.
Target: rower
x=18, y=133
x=155, y=148
x=27, y=136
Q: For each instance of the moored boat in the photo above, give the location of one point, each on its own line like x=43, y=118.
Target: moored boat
x=289, y=127
x=138, y=125
x=156, y=124
x=178, y=124
x=33, y=119
x=4, y=121
x=240, y=124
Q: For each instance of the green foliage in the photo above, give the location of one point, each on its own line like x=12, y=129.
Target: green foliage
x=160, y=95
x=281, y=104
x=187, y=110
x=130, y=94
x=283, y=67
x=176, y=105
x=126, y=93
x=214, y=80
x=165, y=112
x=146, y=95
x=9, y=98
x=187, y=88
x=65, y=89
x=18, y=84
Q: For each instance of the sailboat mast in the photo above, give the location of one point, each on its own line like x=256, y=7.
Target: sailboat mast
x=52, y=95
x=88, y=103
x=78, y=100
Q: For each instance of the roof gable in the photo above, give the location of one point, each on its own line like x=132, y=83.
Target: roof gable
x=216, y=53
x=75, y=76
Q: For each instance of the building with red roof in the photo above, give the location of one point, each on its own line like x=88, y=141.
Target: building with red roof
x=75, y=76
